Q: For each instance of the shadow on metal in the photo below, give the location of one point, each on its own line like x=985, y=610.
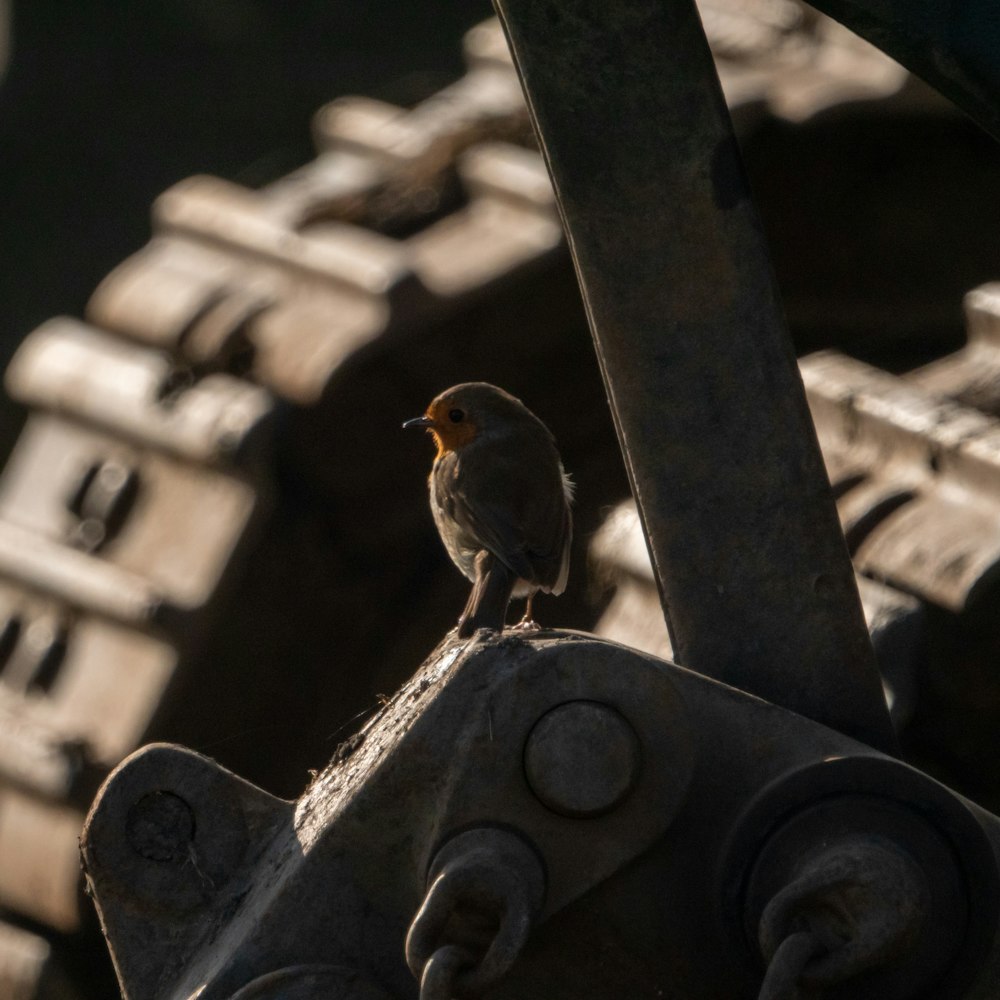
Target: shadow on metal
x=641, y=813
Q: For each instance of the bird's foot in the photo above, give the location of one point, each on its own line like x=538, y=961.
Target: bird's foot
x=526, y=624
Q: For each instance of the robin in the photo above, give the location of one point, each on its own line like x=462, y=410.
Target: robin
x=500, y=500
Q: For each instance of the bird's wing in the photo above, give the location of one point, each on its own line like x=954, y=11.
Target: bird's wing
x=516, y=512
x=492, y=526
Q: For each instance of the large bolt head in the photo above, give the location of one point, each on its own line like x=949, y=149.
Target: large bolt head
x=582, y=759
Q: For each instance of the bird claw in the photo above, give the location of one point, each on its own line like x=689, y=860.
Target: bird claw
x=526, y=625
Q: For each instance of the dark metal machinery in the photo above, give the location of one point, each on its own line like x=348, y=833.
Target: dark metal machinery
x=557, y=816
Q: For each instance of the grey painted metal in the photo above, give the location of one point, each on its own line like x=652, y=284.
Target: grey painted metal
x=742, y=815
x=753, y=572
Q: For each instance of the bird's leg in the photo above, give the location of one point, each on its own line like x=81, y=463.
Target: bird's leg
x=487, y=604
x=527, y=624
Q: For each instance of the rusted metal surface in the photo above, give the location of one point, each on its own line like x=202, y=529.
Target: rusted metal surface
x=220, y=886
x=706, y=397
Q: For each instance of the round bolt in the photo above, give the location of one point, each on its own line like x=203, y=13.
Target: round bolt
x=160, y=827
x=582, y=758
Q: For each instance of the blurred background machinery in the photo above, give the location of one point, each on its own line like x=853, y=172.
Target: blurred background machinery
x=212, y=532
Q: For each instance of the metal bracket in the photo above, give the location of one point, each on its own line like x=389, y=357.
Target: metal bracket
x=203, y=882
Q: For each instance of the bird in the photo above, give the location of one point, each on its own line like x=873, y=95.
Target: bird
x=500, y=500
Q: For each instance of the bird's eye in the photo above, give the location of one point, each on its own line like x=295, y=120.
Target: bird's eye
x=456, y=416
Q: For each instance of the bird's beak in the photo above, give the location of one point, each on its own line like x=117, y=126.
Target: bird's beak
x=419, y=422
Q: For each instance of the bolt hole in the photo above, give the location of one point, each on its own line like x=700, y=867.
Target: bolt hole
x=52, y=653
x=101, y=503
x=10, y=633
x=177, y=381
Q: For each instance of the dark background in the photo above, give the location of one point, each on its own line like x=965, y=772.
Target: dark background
x=108, y=102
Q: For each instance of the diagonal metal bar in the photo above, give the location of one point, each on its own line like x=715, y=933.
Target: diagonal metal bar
x=955, y=47
x=754, y=575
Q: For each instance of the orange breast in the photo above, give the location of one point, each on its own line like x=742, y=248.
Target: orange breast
x=448, y=435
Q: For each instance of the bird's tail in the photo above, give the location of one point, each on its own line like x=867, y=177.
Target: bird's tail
x=491, y=590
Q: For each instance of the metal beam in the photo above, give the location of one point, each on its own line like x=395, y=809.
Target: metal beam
x=754, y=575
x=955, y=47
